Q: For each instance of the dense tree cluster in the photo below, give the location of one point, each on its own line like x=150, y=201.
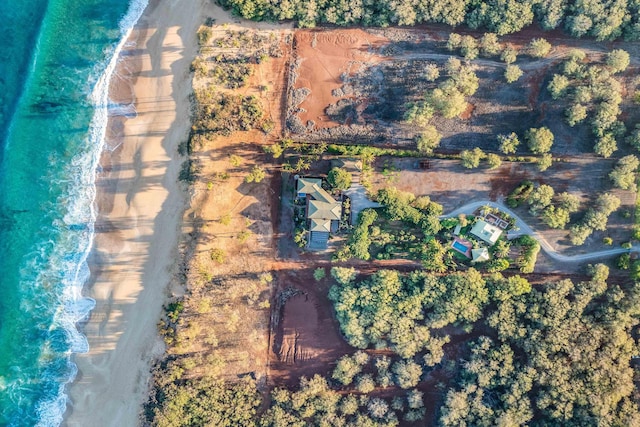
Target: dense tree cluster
x=562, y=352
x=400, y=311
x=316, y=403
x=359, y=240
x=599, y=19
x=595, y=94
x=205, y=402
x=602, y=20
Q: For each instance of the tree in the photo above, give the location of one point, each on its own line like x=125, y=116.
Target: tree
x=378, y=408
x=509, y=55
x=465, y=80
x=346, y=369
x=618, y=60
x=428, y=140
x=349, y=405
x=512, y=73
x=344, y=275
x=275, y=150
x=539, y=48
x=489, y=44
x=471, y=158
x=339, y=178
x=606, y=145
x=605, y=117
x=449, y=101
x=624, y=262
x=539, y=140
x=555, y=217
x=365, y=383
x=452, y=66
x=634, y=138
x=469, y=48
x=540, y=198
x=558, y=86
x=454, y=42
x=582, y=95
x=407, y=373
x=607, y=203
x=431, y=72
x=257, y=174
x=578, y=234
x=576, y=114
x=569, y=202
x=414, y=399
x=494, y=161
x=508, y=143
x=502, y=288
x=544, y=162
x=624, y=174
x=419, y=113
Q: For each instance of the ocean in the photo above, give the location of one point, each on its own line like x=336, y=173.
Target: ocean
x=56, y=57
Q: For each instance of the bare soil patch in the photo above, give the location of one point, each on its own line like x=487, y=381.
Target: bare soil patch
x=305, y=336
x=327, y=55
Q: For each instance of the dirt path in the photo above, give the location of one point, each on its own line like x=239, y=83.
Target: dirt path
x=546, y=247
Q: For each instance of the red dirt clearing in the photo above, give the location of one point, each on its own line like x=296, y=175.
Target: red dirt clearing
x=326, y=56
x=306, y=340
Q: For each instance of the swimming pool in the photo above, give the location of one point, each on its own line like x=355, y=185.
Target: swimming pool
x=460, y=247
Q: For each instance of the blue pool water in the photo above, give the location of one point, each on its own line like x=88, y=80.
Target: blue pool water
x=460, y=247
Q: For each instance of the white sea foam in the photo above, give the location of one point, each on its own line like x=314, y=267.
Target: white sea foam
x=70, y=254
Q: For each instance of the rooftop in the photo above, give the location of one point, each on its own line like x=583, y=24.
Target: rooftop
x=324, y=210
x=318, y=224
x=486, y=232
x=480, y=254
x=307, y=185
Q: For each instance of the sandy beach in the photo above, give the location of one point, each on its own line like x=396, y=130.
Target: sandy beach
x=140, y=205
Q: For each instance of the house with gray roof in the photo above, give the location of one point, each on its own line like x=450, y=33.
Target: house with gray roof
x=323, y=212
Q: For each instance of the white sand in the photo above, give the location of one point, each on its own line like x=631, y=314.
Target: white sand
x=140, y=206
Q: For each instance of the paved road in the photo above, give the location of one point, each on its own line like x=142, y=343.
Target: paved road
x=525, y=229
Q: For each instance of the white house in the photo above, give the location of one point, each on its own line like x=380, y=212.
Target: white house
x=486, y=232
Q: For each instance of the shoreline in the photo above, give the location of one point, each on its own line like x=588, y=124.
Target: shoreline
x=139, y=204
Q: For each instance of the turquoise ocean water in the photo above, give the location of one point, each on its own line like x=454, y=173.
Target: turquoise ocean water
x=55, y=60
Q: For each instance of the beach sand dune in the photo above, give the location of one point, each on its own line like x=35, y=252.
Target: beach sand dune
x=140, y=206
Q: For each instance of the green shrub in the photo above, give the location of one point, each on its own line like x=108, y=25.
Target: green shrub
x=319, y=274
